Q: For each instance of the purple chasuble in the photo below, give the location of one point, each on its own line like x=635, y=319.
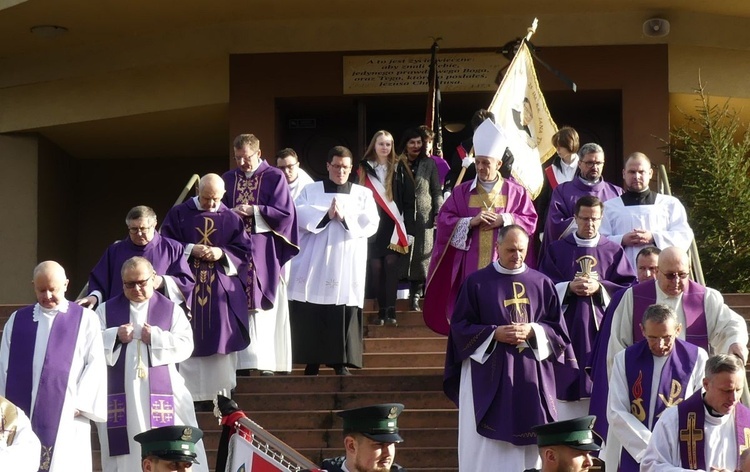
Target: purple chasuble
x=512, y=390
x=268, y=191
x=693, y=306
x=605, y=262
x=160, y=310
x=53, y=381
x=165, y=254
x=449, y=266
x=672, y=388
x=563, y=202
x=220, y=316
x=692, y=435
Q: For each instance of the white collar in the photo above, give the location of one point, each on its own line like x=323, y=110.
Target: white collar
x=593, y=242
x=573, y=162
x=505, y=271
x=476, y=182
x=198, y=205
x=61, y=307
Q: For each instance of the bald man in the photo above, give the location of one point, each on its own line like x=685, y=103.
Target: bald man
x=640, y=217
x=217, y=248
x=52, y=365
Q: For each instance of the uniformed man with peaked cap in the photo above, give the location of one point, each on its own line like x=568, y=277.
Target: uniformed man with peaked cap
x=370, y=437
x=566, y=445
x=169, y=448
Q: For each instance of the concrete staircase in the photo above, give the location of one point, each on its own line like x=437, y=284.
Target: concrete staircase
x=402, y=364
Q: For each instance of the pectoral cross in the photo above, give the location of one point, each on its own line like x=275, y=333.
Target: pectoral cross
x=492, y=201
x=208, y=229
x=691, y=436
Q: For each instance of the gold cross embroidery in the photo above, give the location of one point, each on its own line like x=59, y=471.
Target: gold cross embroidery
x=162, y=411
x=518, y=314
x=691, y=435
x=208, y=230
x=116, y=411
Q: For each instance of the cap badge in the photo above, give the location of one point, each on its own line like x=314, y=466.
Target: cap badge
x=393, y=413
x=187, y=434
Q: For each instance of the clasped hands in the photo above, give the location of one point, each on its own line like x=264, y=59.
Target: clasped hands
x=637, y=237
x=206, y=253
x=125, y=333
x=334, y=211
x=513, y=334
x=487, y=220
x=244, y=210
x=584, y=286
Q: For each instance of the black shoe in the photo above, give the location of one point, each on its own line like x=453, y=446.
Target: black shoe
x=312, y=369
x=243, y=373
x=341, y=370
x=381, y=318
x=266, y=373
x=390, y=316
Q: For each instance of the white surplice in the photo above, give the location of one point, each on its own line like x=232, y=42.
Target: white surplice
x=625, y=430
x=666, y=219
x=725, y=327
x=167, y=348
x=303, y=180
x=87, y=385
x=330, y=268
x=23, y=452
x=663, y=451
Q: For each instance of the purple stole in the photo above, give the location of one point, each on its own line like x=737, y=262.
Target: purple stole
x=696, y=331
x=692, y=435
x=639, y=370
x=161, y=399
x=53, y=381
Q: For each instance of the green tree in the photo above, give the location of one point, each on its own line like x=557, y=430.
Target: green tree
x=710, y=155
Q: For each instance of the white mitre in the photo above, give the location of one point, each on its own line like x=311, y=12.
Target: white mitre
x=490, y=140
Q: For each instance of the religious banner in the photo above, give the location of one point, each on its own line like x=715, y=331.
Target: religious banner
x=432, y=116
x=520, y=109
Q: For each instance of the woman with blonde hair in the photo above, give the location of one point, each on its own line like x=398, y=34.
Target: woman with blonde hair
x=381, y=172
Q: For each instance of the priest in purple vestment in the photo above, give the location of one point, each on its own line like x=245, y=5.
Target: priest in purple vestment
x=506, y=336
x=174, y=279
x=52, y=365
x=648, y=377
x=260, y=195
x=587, y=269
x=218, y=247
x=588, y=181
x=468, y=224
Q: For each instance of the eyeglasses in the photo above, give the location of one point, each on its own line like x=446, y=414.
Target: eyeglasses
x=142, y=229
x=593, y=163
x=340, y=167
x=139, y=283
x=674, y=275
x=288, y=167
x=246, y=158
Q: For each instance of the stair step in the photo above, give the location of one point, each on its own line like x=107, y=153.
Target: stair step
x=335, y=383
x=404, y=318
x=372, y=331
x=398, y=359
x=256, y=402
x=406, y=345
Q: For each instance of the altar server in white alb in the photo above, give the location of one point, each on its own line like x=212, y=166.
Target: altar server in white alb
x=327, y=284
x=640, y=217
x=145, y=336
x=52, y=365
